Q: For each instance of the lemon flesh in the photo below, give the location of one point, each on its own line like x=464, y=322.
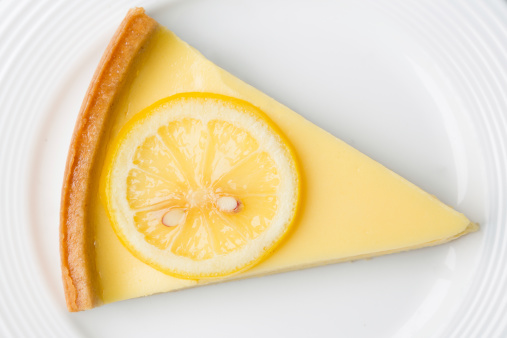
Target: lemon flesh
x=201, y=185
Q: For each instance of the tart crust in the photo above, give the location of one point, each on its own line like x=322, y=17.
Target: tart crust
x=76, y=233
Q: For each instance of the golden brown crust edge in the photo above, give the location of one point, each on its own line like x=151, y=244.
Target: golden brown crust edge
x=76, y=235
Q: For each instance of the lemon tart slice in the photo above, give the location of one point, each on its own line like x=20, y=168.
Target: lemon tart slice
x=180, y=174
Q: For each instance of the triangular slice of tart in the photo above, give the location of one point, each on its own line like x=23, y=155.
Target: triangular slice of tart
x=350, y=207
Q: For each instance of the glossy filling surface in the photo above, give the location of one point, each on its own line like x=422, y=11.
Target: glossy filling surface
x=350, y=207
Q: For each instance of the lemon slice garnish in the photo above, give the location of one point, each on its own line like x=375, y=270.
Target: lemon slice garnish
x=201, y=185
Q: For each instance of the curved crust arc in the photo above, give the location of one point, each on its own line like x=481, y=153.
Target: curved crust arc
x=76, y=234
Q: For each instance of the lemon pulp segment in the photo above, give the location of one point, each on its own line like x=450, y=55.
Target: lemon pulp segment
x=350, y=205
x=200, y=185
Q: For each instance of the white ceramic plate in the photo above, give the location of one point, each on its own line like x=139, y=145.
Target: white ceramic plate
x=419, y=86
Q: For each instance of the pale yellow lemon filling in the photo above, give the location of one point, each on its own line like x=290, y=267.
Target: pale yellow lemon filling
x=350, y=206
